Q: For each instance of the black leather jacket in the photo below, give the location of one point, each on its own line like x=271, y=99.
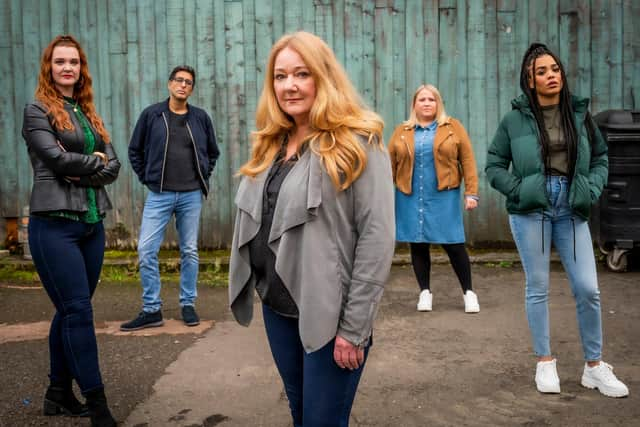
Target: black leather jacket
x=52, y=163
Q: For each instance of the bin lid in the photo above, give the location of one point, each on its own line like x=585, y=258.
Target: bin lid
x=623, y=120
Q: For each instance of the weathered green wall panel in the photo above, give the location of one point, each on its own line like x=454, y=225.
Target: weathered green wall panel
x=471, y=50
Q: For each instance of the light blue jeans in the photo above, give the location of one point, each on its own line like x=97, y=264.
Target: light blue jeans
x=158, y=209
x=533, y=234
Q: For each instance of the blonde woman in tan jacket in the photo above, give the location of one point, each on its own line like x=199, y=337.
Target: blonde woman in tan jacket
x=430, y=155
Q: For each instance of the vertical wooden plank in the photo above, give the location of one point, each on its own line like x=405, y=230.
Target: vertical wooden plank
x=384, y=93
x=338, y=30
x=308, y=16
x=568, y=42
x=118, y=114
x=131, y=214
x=324, y=21
x=553, y=22
x=507, y=61
x=631, y=54
x=175, y=35
x=292, y=16
x=583, y=76
x=459, y=106
x=73, y=17
x=475, y=81
x=521, y=28
x=415, y=53
x=253, y=82
x=353, y=34
x=368, y=76
x=9, y=116
x=57, y=18
x=399, y=78
x=148, y=72
x=448, y=57
x=431, y=43
x=224, y=169
x=160, y=28
x=190, y=54
x=601, y=55
x=264, y=34
x=538, y=26
x=616, y=76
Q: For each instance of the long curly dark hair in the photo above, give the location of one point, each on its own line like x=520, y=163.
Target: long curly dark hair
x=527, y=68
x=47, y=93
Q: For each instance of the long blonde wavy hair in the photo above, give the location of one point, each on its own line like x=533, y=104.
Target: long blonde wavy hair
x=47, y=93
x=441, y=114
x=337, y=117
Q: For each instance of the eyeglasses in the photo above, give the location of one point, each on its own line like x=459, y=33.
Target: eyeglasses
x=181, y=80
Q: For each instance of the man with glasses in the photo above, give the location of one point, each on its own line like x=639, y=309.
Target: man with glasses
x=173, y=151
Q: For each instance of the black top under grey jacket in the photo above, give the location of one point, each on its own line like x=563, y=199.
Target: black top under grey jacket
x=148, y=145
x=52, y=163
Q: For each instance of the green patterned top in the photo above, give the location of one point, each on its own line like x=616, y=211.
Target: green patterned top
x=91, y=216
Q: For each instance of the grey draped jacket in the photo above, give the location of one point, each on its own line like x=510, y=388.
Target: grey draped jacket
x=333, y=249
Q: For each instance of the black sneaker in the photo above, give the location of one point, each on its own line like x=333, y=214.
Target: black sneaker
x=144, y=320
x=190, y=316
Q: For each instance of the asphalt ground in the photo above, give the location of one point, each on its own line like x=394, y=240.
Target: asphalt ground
x=442, y=368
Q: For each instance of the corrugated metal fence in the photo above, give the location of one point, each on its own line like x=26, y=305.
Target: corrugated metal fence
x=470, y=49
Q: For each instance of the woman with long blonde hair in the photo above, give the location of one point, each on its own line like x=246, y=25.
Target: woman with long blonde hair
x=72, y=160
x=431, y=155
x=314, y=232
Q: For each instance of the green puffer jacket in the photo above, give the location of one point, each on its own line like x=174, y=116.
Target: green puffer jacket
x=516, y=143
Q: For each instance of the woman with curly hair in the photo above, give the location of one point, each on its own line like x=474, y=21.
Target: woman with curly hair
x=550, y=161
x=314, y=231
x=72, y=159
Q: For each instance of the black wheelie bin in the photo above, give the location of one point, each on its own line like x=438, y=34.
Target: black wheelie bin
x=618, y=213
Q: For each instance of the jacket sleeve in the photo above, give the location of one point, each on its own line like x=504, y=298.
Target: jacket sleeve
x=393, y=152
x=42, y=139
x=467, y=160
x=599, y=164
x=137, y=146
x=374, y=223
x=212, y=145
x=498, y=161
x=105, y=176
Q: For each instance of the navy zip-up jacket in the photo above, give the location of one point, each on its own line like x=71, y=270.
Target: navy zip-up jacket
x=148, y=145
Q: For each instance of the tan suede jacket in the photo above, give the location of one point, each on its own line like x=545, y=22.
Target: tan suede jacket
x=452, y=153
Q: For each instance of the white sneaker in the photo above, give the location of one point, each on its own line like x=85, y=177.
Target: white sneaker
x=602, y=377
x=471, y=302
x=547, y=380
x=425, y=301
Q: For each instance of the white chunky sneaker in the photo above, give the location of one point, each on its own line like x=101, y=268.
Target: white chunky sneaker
x=471, y=302
x=547, y=380
x=425, y=301
x=602, y=377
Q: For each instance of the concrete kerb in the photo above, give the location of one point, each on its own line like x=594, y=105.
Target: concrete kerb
x=501, y=258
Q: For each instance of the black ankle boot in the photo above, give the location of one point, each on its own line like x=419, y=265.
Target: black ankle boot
x=98, y=409
x=61, y=400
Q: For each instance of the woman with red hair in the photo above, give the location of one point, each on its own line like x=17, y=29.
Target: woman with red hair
x=72, y=160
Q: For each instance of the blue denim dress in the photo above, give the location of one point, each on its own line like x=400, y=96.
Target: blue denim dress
x=428, y=215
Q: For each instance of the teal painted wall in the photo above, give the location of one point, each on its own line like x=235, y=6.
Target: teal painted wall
x=470, y=49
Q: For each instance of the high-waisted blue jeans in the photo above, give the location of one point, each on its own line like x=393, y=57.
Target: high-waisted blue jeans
x=320, y=393
x=68, y=257
x=533, y=234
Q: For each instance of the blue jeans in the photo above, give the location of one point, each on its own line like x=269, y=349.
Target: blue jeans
x=68, y=257
x=533, y=234
x=158, y=210
x=319, y=392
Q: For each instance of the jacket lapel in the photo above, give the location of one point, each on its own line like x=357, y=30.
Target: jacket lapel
x=300, y=195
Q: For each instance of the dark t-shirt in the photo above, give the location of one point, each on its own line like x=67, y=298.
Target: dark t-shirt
x=269, y=286
x=558, y=158
x=180, y=170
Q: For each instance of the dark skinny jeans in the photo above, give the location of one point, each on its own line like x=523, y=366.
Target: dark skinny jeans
x=68, y=257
